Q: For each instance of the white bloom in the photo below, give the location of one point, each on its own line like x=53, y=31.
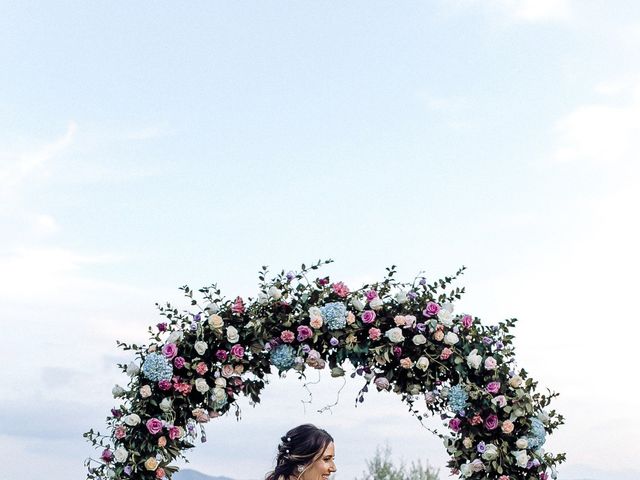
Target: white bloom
x=521, y=458
x=212, y=308
x=175, y=337
x=465, y=469
x=477, y=465
x=132, y=419
x=395, y=335
x=315, y=312
x=201, y=385
x=499, y=400
x=445, y=317
x=376, y=303
x=357, y=304
x=543, y=417
x=401, y=297
x=422, y=363
x=165, y=405
x=473, y=359
x=515, y=381
x=410, y=320
x=133, y=369
x=490, y=453
x=221, y=382
x=490, y=363
x=117, y=391
x=200, y=347
x=448, y=306
x=120, y=454
x=145, y=391
x=219, y=394
x=419, y=339
x=451, y=338
x=111, y=473
x=215, y=321
x=232, y=335
x=262, y=298
x=522, y=443
x=275, y=292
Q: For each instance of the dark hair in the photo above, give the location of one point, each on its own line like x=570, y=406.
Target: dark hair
x=301, y=445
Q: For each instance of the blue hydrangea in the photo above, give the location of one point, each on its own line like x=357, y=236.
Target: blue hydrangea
x=334, y=315
x=537, y=435
x=156, y=367
x=457, y=398
x=283, y=356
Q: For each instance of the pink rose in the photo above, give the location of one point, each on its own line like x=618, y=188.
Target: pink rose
x=179, y=362
x=375, y=333
x=431, y=310
x=316, y=322
x=507, y=426
x=504, y=477
x=107, y=455
x=164, y=385
x=399, y=320
x=491, y=422
x=476, y=420
x=287, y=336
x=340, y=289
x=120, y=432
x=238, y=306
x=160, y=473
x=382, y=383
x=227, y=370
x=368, y=316
x=454, y=424
x=222, y=355
x=237, y=350
x=304, y=332
x=170, y=350
x=410, y=320
x=438, y=336
x=467, y=321
x=446, y=353
x=174, y=432
x=406, y=362
x=351, y=318
x=493, y=387
x=371, y=294
x=490, y=363
x=500, y=400
x=202, y=368
x=154, y=426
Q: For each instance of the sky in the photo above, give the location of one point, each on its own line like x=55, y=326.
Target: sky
x=146, y=146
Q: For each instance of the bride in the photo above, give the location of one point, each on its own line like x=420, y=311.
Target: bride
x=306, y=452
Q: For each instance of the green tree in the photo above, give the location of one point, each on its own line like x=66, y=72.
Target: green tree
x=381, y=467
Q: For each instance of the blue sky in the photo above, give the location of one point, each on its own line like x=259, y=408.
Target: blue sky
x=147, y=146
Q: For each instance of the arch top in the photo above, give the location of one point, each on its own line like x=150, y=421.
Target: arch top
x=404, y=337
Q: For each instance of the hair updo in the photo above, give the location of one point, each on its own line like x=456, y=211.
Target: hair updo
x=301, y=446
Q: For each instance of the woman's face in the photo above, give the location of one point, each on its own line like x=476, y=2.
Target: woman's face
x=323, y=466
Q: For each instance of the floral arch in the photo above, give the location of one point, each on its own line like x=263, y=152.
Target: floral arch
x=403, y=337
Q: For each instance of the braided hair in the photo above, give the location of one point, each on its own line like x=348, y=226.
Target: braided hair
x=300, y=447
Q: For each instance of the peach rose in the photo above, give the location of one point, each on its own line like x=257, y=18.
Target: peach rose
x=351, y=318
x=406, y=362
x=151, y=464
x=438, y=336
x=316, y=322
x=507, y=426
x=162, y=441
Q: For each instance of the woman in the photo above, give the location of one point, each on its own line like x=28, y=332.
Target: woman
x=306, y=452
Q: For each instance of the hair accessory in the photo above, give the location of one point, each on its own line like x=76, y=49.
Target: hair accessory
x=288, y=439
x=286, y=450
x=300, y=468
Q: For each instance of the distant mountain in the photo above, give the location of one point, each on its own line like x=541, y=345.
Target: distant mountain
x=187, y=474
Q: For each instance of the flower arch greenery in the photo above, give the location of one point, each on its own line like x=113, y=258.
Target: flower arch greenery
x=402, y=337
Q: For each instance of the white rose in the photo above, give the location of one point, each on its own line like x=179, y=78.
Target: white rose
x=395, y=335
x=409, y=320
x=315, y=312
x=200, y=347
x=543, y=417
x=165, y=405
x=133, y=369
x=448, y=306
x=515, y=381
x=477, y=465
x=490, y=453
x=111, y=473
x=521, y=458
x=376, y=303
x=262, y=298
x=215, y=321
x=232, y=335
x=473, y=359
x=132, y=419
x=201, y=385
x=451, y=338
x=275, y=292
x=145, y=391
x=219, y=394
x=117, y=391
x=221, y=382
x=422, y=363
x=522, y=443
x=357, y=304
x=419, y=339
x=445, y=317
x=401, y=297
x=120, y=454
x=175, y=337
x=465, y=470
x=212, y=308
x=490, y=363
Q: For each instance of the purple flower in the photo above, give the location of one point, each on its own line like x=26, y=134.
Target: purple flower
x=304, y=332
x=421, y=327
x=222, y=355
x=454, y=424
x=306, y=348
x=423, y=281
x=487, y=341
x=154, y=426
x=397, y=351
x=499, y=345
x=291, y=276
x=334, y=342
x=170, y=350
x=467, y=321
x=368, y=316
x=107, y=455
x=179, y=362
x=431, y=310
x=371, y=294
x=491, y=422
x=116, y=413
x=493, y=387
x=237, y=350
x=412, y=295
x=128, y=470
x=164, y=385
x=162, y=327
x=193, y=326
x=481, y=447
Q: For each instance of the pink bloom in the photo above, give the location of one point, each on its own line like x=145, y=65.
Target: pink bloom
x=160, y=473
x=222, y=355
x=154, y=426
x=397, y=351
x=504, y=477
x=316, y=322
x=227, y=370
x=406, y=362
x=287, y=336
x=371, y=294
x=340, y=289
x=400, y=320
x=544, y=476
x=476, y=420
x=454, y=424
x=410, y=320
x=304, y=332
x=491, y=422
x=375, y=333
x=120, y=432
x=446, y=353
x=431, y=310
x=107, y=455
x=382, y=383
x=238, y=306
x=179, y=362
x=164, y=385
x=202, y=368
x=174, y=432
x=467, y=321
x=237, y=350
x=170, y=350
x=368, y=316
x=493, y=387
